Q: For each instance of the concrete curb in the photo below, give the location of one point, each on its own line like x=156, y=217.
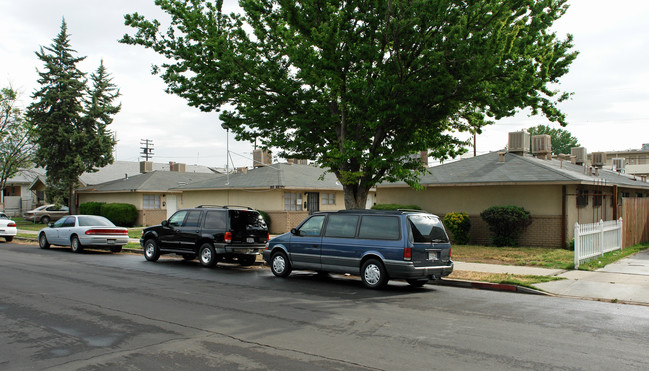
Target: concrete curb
x=489, y=286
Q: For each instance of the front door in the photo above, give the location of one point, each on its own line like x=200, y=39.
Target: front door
x=313, y=202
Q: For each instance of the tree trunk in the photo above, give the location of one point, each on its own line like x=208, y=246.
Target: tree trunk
x=355, y=196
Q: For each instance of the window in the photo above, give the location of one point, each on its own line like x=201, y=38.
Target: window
x=426, y=228
x=151, y=202
x=192, y=219
x=292, y=201
x=597, y=200
x=214, y=220
x=582, y=197
x=313, y=226
x=176, y=220
x=341, y=225
x=328, y=198
x=379, y=228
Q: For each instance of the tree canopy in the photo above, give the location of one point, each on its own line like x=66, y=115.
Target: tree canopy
x=69, y=118
x=562, y=140
x=359, y=86
x=15, y=137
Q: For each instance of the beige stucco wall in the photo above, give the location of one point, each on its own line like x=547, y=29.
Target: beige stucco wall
x=538, y=200
x=266, y=200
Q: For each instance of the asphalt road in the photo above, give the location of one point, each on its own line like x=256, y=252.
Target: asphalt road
x=97, y=310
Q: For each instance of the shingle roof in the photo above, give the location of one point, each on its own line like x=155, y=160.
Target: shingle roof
x=119, y=169
x=516, y=169
x=273, y=176
x=160, y=181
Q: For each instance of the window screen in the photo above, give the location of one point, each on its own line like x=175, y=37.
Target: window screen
x=341, y=225
x=379, y=227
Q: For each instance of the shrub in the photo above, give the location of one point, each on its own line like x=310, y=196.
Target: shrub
x=266, y=218
x=123, y=215
x=90, y=208
x=395, y=207
x=459, y=224
x=506, y=223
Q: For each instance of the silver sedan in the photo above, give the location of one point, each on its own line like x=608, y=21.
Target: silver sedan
x=79, y=231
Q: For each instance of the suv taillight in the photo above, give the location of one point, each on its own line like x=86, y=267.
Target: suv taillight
x=267, y=237
x=407, y=253
x=228, y=237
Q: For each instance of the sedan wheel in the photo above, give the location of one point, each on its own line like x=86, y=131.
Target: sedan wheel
x=373, y=274
x=207, y=255
x=42, y=241
x=45, y=219
x=75, y=244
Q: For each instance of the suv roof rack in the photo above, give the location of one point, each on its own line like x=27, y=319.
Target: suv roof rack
x=237, y=207
x=203, y=206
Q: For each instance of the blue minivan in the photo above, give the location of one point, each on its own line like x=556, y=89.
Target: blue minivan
x=377, y=245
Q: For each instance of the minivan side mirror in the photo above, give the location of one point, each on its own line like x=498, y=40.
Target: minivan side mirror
x=164, y=223
x=295, y=232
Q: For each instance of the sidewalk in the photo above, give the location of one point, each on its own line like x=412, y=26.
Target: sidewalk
x=624, y=281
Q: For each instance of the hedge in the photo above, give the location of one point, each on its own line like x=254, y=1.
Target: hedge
x=90, y=208
x=123, y=215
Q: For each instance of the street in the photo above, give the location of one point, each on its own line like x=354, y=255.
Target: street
x=99, y=310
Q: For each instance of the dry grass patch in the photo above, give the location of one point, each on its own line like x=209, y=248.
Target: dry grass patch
x=525, y=256
x=516, y=279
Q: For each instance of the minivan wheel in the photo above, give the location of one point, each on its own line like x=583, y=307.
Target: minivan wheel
x=75, y=244
x=207, y=255
x=151, y=250
x=279, y=264
x=373, y=274
x=417, y=283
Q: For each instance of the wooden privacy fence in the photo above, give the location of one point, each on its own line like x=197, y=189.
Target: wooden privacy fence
x=595, y=239
x=635, y=212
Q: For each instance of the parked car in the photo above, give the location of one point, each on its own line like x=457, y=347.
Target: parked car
x=211, y=233
x=79, y=231
x=8, y=228
x=377, y=245
x=46, y=213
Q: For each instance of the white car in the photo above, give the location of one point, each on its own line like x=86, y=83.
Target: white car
x=79, y=231
x=8, y=228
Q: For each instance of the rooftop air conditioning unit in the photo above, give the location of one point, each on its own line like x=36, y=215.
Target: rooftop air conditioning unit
x=599, y=159
x=618, y=164
x=519, y=142
x=580, y=154
x=541, y=144
x=261, y=157
x=146, y=167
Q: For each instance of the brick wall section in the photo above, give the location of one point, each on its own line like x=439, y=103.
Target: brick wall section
x=150, y=217
x=545, y=231
x=283, y=221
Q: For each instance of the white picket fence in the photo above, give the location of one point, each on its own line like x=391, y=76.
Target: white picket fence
x=595, y=239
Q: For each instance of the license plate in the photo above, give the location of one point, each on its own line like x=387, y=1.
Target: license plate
x=111, y=242
x=433, y=255
x=250, y=240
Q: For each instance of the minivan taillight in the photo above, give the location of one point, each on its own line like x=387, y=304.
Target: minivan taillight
x=228, y=237
x=267, y=237
x=407, y=253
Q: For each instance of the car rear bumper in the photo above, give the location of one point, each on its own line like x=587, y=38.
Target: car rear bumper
x=8, y=231
x=104, y=240
x=407, y=270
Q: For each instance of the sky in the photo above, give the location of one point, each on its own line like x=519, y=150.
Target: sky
x=609, y=110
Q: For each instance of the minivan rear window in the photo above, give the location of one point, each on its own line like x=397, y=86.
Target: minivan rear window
x=426, y=228
x=379, y=227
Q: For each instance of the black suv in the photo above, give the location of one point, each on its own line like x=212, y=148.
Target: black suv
x=211, y=233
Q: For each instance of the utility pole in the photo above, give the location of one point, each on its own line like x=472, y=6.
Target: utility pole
x=147, y=150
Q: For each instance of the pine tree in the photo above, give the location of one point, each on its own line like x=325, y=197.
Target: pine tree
x=69, y=120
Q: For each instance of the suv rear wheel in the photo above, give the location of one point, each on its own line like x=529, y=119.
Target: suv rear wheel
x=373, y=274
x=207, y=255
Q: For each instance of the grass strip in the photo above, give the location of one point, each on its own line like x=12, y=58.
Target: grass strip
x=503, y=278
x=611, y=257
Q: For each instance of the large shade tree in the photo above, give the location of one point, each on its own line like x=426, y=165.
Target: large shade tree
x=359, y=85
x=70, y=119
x=15, y=137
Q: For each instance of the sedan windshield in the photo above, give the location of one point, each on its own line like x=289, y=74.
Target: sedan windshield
x=94, y=221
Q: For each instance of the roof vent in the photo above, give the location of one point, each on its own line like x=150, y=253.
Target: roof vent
x=519, y=142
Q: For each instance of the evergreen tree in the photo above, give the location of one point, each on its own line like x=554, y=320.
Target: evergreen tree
x=69, y=120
